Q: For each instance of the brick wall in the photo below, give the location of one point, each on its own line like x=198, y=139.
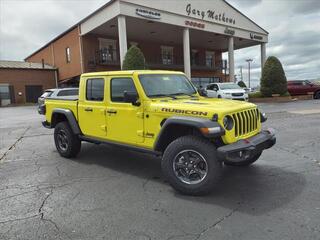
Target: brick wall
x=55, y=55
x=19, y=78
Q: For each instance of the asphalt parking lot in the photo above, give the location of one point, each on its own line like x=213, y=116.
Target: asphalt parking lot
x=109, y=193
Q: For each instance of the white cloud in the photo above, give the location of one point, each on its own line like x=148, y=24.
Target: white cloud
x=294, y=36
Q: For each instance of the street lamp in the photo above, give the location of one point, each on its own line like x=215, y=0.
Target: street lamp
x=249, y=61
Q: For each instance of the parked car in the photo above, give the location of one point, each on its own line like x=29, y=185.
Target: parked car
x=304, y=87
x=56, y=93
x=227, y=90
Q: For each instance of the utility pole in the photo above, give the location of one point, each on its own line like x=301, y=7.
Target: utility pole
x=249, y=61
x=241, y=76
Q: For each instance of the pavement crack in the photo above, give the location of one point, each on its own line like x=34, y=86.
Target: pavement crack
x=216, y=223
x=14, y=144
x=19, y=219
x=43, y=203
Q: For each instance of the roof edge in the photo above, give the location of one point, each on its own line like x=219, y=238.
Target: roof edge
x=246, y=17
x=70, y=29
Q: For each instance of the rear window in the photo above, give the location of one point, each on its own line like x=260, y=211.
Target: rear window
x=46, y=94
x=69, y=92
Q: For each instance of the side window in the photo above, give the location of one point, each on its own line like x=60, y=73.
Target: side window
x=210, y=87
x=95, y=89
x=215, y=87
x=68, y=55
x=119, y=86
x=70, y=92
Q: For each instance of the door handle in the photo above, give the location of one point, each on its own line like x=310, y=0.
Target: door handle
x=88, y=109
x=112, y=111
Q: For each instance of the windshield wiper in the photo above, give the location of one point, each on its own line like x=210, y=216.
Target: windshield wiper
x=163, y=95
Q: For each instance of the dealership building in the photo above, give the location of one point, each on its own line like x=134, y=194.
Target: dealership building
x=181, y=35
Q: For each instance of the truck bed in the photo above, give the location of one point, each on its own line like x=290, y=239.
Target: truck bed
x=66, y=102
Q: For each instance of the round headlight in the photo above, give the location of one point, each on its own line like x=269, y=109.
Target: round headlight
x=228, y=122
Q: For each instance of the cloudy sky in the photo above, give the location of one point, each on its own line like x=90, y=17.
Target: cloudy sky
x=293, y=25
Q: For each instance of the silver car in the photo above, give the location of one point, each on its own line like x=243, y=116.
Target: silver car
x=55, y=93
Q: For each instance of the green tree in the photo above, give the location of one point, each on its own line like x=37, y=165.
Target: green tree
x=273, y=80
x=134, y=59
x=242, y=84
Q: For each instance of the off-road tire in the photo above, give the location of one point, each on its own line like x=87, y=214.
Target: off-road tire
x=244, y=163
x=208, y=152
x=317, y=95
x=73, y=143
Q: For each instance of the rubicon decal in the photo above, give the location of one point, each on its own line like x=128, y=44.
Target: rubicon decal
x=181, y=111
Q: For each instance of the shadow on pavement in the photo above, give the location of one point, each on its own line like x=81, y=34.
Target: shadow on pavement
x=254, y=190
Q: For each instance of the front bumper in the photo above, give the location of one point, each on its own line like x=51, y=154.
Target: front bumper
x=247, y=148
x=240, y=98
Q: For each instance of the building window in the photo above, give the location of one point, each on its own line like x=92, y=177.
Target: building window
x=68, y=55
x=108, y=50
x=210, y=59
x=119, y=86
x=95, y=89
x=167, y=55
x=194, y=57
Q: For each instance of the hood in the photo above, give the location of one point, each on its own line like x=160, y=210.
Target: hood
x=203, y=107
x=233, y=91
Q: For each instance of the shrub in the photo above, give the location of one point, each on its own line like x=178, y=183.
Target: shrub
x=273, y=80
x=255, y=95
x=242, y=84
x=134, y=59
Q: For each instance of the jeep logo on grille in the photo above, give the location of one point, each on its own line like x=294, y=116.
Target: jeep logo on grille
x=181, y=111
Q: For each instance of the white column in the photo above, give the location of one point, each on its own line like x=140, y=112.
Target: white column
x=263, y=55
x=186, y=52
x=231, y=59
x=122, y=37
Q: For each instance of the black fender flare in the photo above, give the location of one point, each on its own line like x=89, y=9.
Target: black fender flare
x=214, y=128
x=69, y=116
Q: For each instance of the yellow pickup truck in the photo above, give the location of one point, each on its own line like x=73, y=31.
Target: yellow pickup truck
x=160, y=112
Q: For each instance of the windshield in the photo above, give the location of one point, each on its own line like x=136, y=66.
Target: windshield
x=157, y=85
x=46, y=94
x=229, y=86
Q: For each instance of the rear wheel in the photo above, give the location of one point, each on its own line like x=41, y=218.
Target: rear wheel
x=317, y=95
x=67, y=143
x=244, y=163
x=191, y=166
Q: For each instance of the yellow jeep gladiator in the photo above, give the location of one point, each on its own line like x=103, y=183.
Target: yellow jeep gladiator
x=160, y=112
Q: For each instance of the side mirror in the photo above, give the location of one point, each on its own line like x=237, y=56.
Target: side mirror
x=131, y=97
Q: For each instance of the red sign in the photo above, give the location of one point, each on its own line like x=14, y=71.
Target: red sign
x=194, y=24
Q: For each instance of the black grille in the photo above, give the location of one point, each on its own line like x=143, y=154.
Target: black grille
x=245, y=122
x=237, y=94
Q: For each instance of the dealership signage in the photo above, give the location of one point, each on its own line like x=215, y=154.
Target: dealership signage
x=148, y=13
x=256, y=37
x=209, y=14
x=194, y=24
x=229, y=31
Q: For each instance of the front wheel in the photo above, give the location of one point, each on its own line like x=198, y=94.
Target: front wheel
x=244, y=163
x=67, y=143
x=191, y=166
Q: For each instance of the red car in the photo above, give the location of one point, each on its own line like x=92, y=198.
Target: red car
x=303, y=88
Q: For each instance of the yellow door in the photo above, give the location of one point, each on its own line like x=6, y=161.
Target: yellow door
x=92, y=107
x=125, y=119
